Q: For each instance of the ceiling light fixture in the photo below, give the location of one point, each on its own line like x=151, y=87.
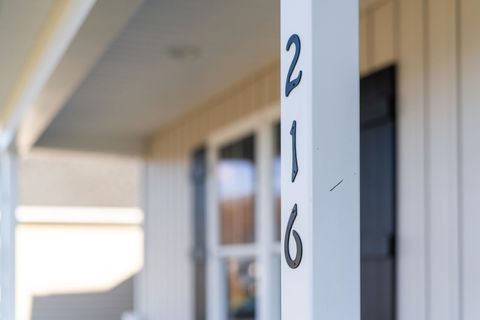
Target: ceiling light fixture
x=183, y=52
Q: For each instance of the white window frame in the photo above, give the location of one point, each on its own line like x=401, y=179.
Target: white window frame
x=266, y=248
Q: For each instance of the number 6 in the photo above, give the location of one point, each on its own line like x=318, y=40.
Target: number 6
x=292, y=263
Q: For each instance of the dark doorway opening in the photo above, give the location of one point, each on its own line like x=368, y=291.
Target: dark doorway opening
x=377, y=194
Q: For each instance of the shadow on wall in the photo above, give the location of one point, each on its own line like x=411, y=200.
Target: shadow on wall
x=108, y=305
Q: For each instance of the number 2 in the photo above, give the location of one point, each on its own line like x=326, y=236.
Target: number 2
x=292, y=84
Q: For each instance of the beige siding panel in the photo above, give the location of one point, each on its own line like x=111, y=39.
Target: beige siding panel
x=378, y=35
x=370, y=3
x=259, y=91
x=383, y=33
x=442, y=160
x=363, y=43
x=273, y=87
x=412, y=252
x=470, y=141
x=247, y=99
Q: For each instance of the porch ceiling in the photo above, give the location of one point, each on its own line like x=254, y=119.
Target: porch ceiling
x=19, y=25
x=171, y=56
x=17, y=36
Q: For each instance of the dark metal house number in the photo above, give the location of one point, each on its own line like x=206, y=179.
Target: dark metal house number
x=292, y=84
x=289, y=86
x=293, y=133
x=293, y=263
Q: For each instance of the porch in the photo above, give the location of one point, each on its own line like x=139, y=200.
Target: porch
x=189, y=94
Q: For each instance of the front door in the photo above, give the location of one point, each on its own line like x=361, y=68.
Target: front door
x=377, y=194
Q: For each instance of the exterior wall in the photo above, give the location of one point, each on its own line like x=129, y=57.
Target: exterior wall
x=61, y=178
x=168, y=230
x=167, y=286
x=73, y=271
x=438, y=146
x=434, y=43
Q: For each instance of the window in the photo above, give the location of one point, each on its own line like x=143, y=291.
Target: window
x=241, y=288
x=243, y=226
x=236, y=191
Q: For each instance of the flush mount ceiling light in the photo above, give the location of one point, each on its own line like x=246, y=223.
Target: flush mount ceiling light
x=183, y=52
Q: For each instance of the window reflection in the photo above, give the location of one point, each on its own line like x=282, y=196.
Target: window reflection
x=236, y=190
x=241, y=288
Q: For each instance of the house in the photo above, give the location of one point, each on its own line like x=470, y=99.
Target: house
x=193, y=90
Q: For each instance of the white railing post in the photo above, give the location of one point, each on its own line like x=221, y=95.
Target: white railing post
x=320, y=160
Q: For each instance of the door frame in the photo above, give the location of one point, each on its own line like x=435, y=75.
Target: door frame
x=265, y=248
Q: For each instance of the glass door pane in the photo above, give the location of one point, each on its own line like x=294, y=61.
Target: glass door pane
x=241, y=285
x=236, y=191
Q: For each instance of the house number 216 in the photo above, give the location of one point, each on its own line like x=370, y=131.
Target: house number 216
x=290, y=85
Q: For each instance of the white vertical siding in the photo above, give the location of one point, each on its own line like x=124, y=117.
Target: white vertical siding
x=442, y=159
x=412, y=254
x=168, y=235
x=439, y=151
x=469, y=47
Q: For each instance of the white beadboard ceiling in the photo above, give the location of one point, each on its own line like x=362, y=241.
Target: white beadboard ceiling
x=138, y=85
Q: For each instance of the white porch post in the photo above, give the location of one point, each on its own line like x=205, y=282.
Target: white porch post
x=8, y=188
x=320, y=160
